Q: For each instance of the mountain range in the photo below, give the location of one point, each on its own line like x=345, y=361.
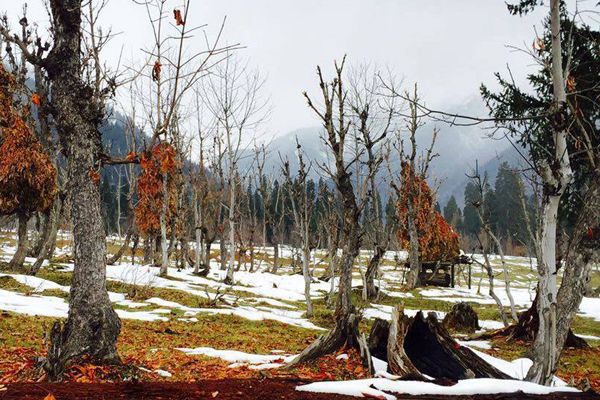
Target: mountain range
x=459, y=148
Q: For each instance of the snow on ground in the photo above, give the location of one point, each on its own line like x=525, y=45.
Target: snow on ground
x=238, y=358
x=522, y=297
x=37, y=284
x=45, y=306
x=480, y=344
x=384, y=383
x=377, y=387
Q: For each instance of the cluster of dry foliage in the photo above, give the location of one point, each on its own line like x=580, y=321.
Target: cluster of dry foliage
x=27, y=176
x=437, y=240
x=155, y=166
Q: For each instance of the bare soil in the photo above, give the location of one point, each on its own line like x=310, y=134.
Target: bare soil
x=240, y=389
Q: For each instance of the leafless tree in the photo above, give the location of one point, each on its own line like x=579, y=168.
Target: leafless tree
x=413, y=165
x=373, y=118
x=302, y=209
x=232, y=95
x=490, y=237
x=332, y=114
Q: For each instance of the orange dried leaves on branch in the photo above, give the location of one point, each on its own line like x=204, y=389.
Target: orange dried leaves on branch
x=437, y=239
x=28, y=180
x=160, y=161
x=156, y=71
x=178, y=19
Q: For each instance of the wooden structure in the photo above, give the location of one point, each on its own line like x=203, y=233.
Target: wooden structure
x=443, y=273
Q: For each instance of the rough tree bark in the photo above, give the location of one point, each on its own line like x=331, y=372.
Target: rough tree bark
x=92, y=326
x=275, y=257
x=49, y=243
x=231, y=263
x=372, y=271
x=16, y=263
x=164, y=266
x=223, y=252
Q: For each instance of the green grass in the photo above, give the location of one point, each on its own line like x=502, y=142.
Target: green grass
x=10, y=283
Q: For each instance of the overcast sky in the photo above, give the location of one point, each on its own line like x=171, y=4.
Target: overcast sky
x=448, y=47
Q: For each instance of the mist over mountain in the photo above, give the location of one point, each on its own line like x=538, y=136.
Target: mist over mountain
x=458, y=149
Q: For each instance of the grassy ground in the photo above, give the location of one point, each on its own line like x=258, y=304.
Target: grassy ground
x=151, y=344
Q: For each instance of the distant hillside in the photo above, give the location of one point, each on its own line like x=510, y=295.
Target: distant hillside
x=458, y=149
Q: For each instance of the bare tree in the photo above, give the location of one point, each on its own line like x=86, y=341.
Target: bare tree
x=302, y=209
x=485, y=244
x=556, y=174
x=373, y=119
x=413, y=166
x=232, y=96
x=336, y=125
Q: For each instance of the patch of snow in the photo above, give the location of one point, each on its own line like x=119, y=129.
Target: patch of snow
x=163, y=373
x=38, y=284
x=45, y=306
x=239, y=358
x=481, y=344
x=588, y=337
x=379, y=387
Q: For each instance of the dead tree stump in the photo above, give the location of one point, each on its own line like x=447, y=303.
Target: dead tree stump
x=378, y=338
x=346, y=334
x=399, y=362
x=527, y=327
x=421, y=346
x=462, y=318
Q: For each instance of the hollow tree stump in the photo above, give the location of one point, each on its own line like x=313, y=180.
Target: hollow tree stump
x=378, y=338
x=422, y=346
x=528, y=324
x=462, y=318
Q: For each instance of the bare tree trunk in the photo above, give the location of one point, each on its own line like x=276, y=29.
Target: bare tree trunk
x=118, y=195
x=306, y=274
x=117, y=256
x=164, y=268
x=582, y=254
x=198, y=232
x=92, y=325
x=513, y=309
x=134, y=247
x=49, y=243
x=207, y=246
x=157, y=251
x=275, y=257
x=332, y=264
x=412, y=278
x=492, y=293
x=223, y=247
x=16, y=263
x=148, y=251
x=556, y=176
x=372, y=271
x=230, y=266
x=36, y=249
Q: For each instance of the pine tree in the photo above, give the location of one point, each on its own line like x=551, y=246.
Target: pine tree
x=453, y=215
x=471, y=222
